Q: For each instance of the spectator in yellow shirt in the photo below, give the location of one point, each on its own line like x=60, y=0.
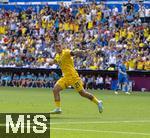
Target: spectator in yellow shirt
x=127, y=64
x=117, y=36
x=130, y=35
x=76, y=27
x=66, y=26
x=132, y=64
x=147, y=64
x=90, y=25
x=146, y=32
x=99, y=15
x=2, y=29
x=140, y=64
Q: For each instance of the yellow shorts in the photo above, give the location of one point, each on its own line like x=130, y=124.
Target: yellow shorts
x=75, y=82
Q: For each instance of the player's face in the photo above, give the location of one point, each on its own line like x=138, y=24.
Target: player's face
x=58, y=48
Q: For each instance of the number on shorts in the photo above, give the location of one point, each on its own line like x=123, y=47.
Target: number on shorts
x=77, y=84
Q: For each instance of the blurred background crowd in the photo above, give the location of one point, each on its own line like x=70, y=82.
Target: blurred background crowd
x=27, y=37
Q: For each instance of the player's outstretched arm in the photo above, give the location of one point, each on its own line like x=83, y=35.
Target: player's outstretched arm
x=51, y=61
x=79, y=52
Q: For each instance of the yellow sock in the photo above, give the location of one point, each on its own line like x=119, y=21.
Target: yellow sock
x=95, y=100
x=57, y=103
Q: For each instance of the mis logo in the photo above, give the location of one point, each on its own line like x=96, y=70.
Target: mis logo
x=25, y=125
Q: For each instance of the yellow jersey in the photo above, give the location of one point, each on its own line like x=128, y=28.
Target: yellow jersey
x=50, y=24
x=90, y=25
x=66, y=26
x=71, y=26
x=66, y=63
x=99, y=16
x=117, y=36
x=146, y=32
x=3, y=29
x=147, y=65
x=132, y=63
x=93, y=67
x=140, y=65
x=141, y=45
x=81, y=11
x=123, y=33
x=76, y=27
x=127, y=65
x=130, y=35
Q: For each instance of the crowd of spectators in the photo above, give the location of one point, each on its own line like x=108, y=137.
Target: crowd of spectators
x=27, y=37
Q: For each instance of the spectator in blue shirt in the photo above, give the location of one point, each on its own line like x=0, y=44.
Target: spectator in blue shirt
x=40, y=80
x=29, y=80
x=130, y=17
x=15, y=81
x=22, y=80
x=34, y=78
x=6, y=79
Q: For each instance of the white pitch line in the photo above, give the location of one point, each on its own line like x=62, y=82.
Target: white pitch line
x=102, y=122
x=102, y=131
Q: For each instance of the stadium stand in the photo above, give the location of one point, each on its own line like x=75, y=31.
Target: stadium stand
x=27, y=35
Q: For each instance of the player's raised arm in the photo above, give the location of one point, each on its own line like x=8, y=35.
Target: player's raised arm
x=51, y=61
x=79, y=52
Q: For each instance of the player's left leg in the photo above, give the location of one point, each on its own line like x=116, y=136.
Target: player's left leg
x=120, y=80
x=78, y=85
x=125, y=85
x=91, y=97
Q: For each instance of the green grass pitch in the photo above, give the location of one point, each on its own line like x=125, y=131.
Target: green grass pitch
x=124, y=116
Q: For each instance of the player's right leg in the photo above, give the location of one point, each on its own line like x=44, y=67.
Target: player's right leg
x=56, y=92
x=60, y=85
x=117, y=88
x=125, y=85
x=118, y=84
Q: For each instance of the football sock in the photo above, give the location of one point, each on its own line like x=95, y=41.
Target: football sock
x=95, y=100
x=57, y=103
